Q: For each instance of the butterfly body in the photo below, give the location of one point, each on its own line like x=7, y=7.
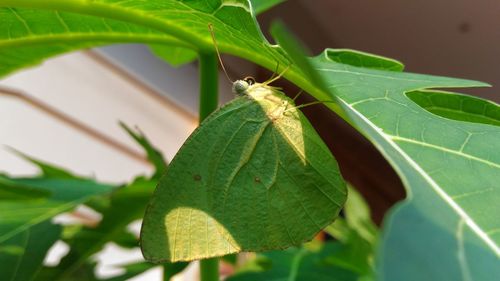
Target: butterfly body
x=253, y=176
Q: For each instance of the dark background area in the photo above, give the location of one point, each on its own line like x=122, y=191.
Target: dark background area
x=454, y=38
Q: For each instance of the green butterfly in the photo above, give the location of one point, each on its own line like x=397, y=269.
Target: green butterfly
x=254, y=176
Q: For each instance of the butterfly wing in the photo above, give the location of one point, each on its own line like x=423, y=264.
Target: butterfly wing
x=243, y=182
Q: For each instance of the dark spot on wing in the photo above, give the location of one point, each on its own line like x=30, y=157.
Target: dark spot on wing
x=197, y=177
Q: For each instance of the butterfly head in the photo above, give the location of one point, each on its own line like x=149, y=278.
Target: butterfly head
x=240, y=87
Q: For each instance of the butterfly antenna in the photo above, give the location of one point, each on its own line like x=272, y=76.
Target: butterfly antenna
x=275, y=71
x=277, y=77
x=212, y=33
x=309, y=104
x=298, y=95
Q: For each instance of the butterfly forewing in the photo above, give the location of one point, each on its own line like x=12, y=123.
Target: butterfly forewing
x=254, y=176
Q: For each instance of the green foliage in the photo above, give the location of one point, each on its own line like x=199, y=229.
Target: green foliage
x=175, y=56
x=178, y=55
x=260, y=6
x=52, y=196
x=446, y=165
x=154, y=156
x=297, y=264
x=349, y=258
x=21, y=256
x=126, y=205
x=446, y=229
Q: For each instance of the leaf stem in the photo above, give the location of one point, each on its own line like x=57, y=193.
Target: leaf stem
x=209, y=269
x=209, y=99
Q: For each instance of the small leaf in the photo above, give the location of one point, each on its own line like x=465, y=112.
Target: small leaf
x=131, y=271
x=358, y=217
x=296, y=264
x=63, y=194
x=21, y=256
x=260, y=6
x=173, y=55
x=153, y=154
x=48, y=170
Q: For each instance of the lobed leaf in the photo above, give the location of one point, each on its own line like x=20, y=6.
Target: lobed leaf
x=447, y=228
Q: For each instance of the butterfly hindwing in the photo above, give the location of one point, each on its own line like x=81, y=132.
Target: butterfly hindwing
x=254, y=176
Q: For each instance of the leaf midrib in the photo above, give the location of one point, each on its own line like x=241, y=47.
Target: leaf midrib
x=87, y=37
x=112, y=11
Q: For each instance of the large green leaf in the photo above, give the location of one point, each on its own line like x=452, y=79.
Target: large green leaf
x=21, y=256
x=448, y=227
x=176, y=23
x=177, y=55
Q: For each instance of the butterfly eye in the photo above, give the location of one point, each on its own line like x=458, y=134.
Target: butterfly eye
x=249, y=80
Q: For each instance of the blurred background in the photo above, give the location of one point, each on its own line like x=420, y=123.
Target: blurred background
x=67, y=110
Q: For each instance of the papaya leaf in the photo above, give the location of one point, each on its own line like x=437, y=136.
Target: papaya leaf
x=447, y=228
x=24, y=42
x=177, y=56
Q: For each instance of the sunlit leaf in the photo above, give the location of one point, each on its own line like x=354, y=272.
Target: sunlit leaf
x=447, y=228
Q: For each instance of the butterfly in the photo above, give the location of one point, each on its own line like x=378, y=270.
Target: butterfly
x=254, y=176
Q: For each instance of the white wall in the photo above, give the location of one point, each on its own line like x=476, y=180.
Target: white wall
x=87, y=91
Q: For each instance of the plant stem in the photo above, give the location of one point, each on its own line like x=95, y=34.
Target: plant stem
x=209, y=99
x=209, y=269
